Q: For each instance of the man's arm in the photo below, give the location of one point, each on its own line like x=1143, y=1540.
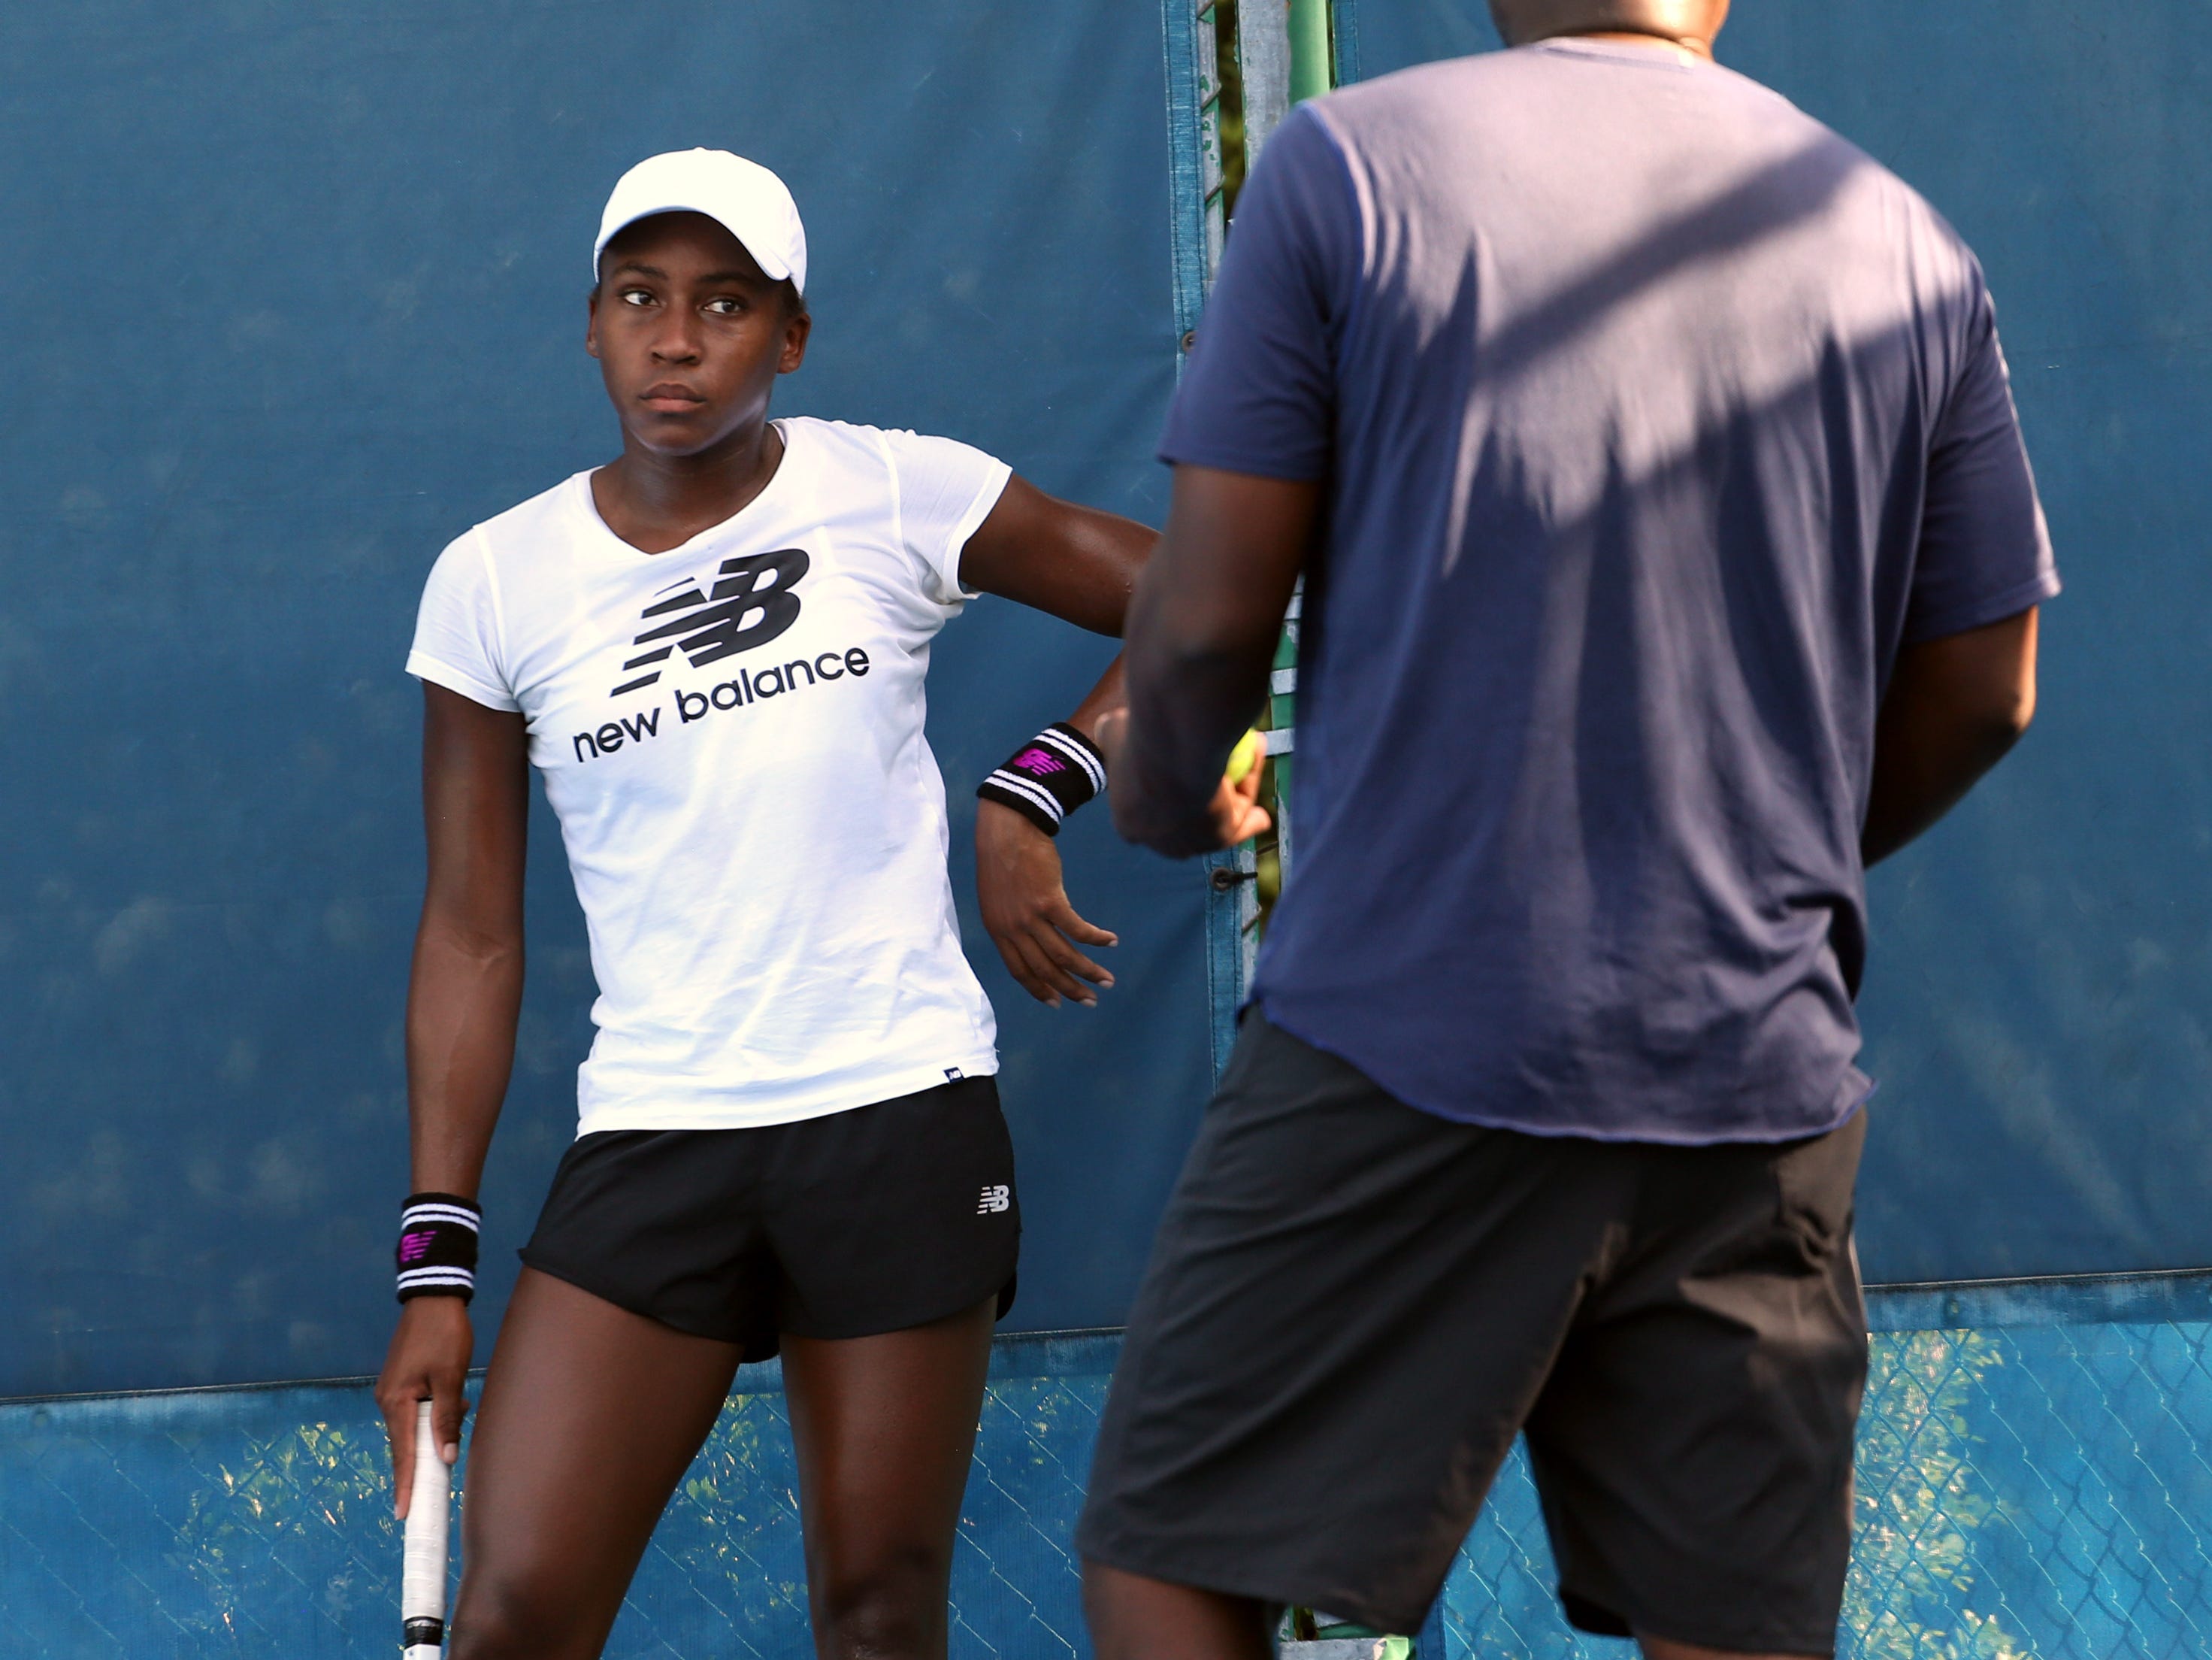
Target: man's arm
x=1202, y=637
x=1955, y=705
x=462, y=1001
x=1078, y=564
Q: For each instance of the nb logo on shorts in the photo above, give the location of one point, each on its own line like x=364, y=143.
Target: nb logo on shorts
x=998, y=1198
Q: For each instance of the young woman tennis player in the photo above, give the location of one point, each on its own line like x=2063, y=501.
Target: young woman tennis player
x=713, y=650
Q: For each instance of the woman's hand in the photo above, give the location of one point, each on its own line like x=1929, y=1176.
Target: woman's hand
x=1018, y=880
x=428, y=1360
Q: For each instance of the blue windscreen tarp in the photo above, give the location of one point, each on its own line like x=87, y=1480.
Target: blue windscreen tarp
x=2039, y=1003
x=299, y=295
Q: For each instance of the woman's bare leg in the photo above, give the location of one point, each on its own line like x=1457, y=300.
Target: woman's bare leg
x=884, y=1427
x=591, y=1415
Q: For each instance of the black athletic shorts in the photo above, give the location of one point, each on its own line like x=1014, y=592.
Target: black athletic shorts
x=1352, y=1307
x=870, y=1220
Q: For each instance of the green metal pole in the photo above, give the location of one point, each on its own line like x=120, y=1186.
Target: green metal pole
x=1313, y=63
x=1313, y=72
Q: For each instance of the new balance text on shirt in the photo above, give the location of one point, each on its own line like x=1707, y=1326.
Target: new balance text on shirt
x=732, y=694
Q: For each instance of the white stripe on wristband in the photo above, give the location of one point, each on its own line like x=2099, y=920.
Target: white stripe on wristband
x=413, y=1278
x=438, y=1211
x=1035, y=794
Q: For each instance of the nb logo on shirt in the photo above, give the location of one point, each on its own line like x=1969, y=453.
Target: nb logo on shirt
x=750, y=605
x=998, y=1198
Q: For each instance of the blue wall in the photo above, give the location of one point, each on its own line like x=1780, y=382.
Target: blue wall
x=297, y=295
x=2038, y=1006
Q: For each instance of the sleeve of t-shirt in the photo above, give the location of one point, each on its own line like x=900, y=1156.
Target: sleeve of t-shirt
x=1984, y=549
x=945, y=490
x=1259, y=388
x=457, y=636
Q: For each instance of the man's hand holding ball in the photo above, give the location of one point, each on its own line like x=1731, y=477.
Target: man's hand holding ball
x=1236, y=811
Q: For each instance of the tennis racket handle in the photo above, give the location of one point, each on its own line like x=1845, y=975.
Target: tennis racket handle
x=422, y=1562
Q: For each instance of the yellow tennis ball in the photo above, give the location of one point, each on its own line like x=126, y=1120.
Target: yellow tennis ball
x=1251, y=749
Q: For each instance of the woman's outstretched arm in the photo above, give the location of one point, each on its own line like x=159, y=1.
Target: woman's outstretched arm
x=462, y=1001
x=1078, y=564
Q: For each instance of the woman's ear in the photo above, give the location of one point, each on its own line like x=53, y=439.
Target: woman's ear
x=796, y=330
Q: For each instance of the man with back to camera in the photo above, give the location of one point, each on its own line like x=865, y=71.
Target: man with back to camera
x=1672, y=555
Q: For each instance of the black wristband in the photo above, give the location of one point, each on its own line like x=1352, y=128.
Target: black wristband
x=1048, y=777
x=437, y=1252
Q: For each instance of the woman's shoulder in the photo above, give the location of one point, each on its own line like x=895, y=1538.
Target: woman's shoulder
x=527, y=521
x=491, y=555
x=858, y=440
x=839, y=443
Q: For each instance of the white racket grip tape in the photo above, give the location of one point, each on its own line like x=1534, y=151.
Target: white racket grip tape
x=423, y=1561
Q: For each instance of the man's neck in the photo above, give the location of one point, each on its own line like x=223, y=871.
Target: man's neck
x=1688, y=44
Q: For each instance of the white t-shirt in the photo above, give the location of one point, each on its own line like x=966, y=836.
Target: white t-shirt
x=731, y=734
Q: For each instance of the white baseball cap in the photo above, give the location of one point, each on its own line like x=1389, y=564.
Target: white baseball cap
x=743, y=196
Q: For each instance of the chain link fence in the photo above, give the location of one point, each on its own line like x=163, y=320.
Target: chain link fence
x=2038, y=1492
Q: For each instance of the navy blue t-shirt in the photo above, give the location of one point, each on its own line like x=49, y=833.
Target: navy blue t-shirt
x=1654, y=417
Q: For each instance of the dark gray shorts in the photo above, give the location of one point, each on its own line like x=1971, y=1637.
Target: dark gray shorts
x=1353, y=1307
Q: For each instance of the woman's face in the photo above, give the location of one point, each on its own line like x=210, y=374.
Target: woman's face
x=689, y=332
